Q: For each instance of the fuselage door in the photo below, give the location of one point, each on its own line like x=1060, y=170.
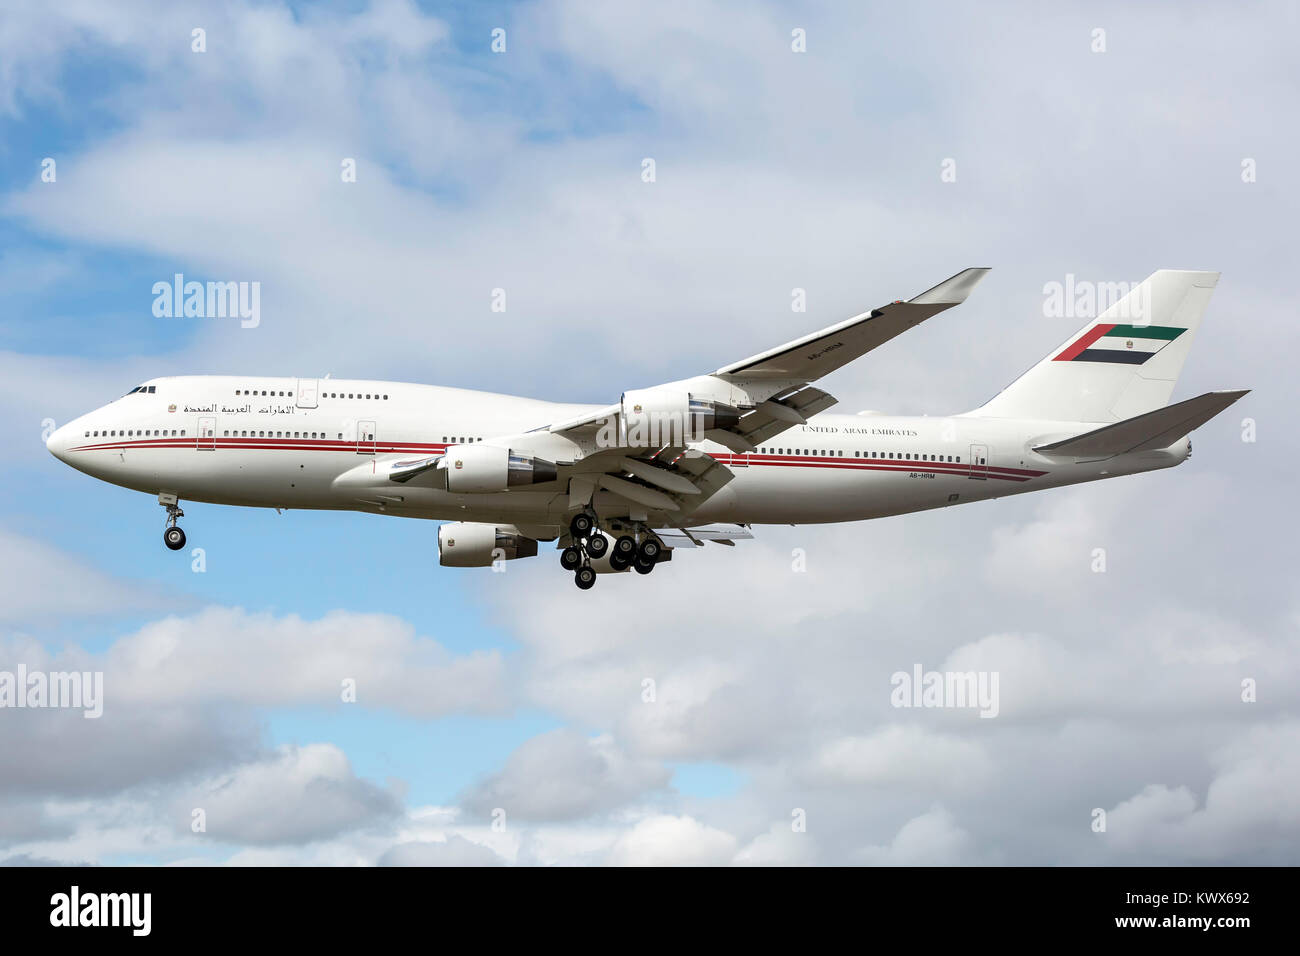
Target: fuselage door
x=207, y=434
x=979, y=462
x=365, y=438
x=307, y=393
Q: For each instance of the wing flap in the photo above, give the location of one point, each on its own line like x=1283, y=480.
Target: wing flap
x=684, y=537
x=761, y=424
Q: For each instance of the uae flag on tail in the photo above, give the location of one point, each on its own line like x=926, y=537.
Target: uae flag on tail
x=1121, y=344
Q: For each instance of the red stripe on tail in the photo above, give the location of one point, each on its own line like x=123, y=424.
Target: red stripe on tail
x=1083, y=341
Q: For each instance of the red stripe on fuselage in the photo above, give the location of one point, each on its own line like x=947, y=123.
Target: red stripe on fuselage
x=752, y=460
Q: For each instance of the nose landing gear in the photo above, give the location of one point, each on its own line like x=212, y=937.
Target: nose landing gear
x=173, y=536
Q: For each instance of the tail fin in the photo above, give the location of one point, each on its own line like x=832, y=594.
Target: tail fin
x=1124, y=363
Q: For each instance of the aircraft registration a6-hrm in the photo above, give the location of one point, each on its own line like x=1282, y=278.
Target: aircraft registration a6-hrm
x=693, y=461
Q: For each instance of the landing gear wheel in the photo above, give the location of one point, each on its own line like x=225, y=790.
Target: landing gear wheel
x=597, y=545
x=580, y=525
x=619, y=563
x=649, y=551
x=644, y=567
x=584, y=577
x=570, y=558
x=173, y=536
x=624, y=549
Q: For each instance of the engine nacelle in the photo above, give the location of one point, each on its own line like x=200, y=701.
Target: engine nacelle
x=468, y=544
x=654, y=417
x=483, y=469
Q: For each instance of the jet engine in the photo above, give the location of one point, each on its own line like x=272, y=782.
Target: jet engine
x=482, y=469
x=653, y=417
x=468, y=544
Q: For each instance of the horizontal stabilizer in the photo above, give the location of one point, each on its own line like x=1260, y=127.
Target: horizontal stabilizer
x=1152, y=430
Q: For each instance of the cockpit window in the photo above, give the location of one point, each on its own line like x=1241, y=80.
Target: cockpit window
x=143, y=389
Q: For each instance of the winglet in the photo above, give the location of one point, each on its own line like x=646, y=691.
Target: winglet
x=953, y=291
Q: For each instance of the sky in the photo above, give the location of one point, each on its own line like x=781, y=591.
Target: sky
x=734, y=707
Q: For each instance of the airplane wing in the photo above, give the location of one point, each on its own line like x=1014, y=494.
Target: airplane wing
x=772, y=390
x=641, y=458
x=809, y=358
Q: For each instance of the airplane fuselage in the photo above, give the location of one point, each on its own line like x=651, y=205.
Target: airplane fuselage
x=321, y=444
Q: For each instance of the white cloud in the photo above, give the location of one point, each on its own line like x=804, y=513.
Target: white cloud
x=39, y=582
x=667, y=840
x=296, y=795
x=779, y=846
x=1248, y=813
x=206, y=656
x=903, y=755
x=563, y=775
x=931, y=839
x=453, y=851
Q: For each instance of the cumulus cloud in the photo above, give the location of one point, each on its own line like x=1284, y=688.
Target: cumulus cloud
x=563, y=775
x=180, y=696
x=453, y=851
x=1247, y=813
x=40, y=582
x=206, y=655
x=931, y=839
x=295, y=795
x=902, y=755
x=666, y=840
x=781, y=845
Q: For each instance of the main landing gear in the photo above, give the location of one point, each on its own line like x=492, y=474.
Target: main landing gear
x=173, y=536
x=589, y=544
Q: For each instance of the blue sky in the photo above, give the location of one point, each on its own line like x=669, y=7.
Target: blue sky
x=522, y=170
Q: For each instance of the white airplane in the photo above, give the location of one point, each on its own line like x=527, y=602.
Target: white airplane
x=677, y=465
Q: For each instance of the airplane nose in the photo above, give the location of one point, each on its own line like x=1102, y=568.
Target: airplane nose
x=60, y=441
